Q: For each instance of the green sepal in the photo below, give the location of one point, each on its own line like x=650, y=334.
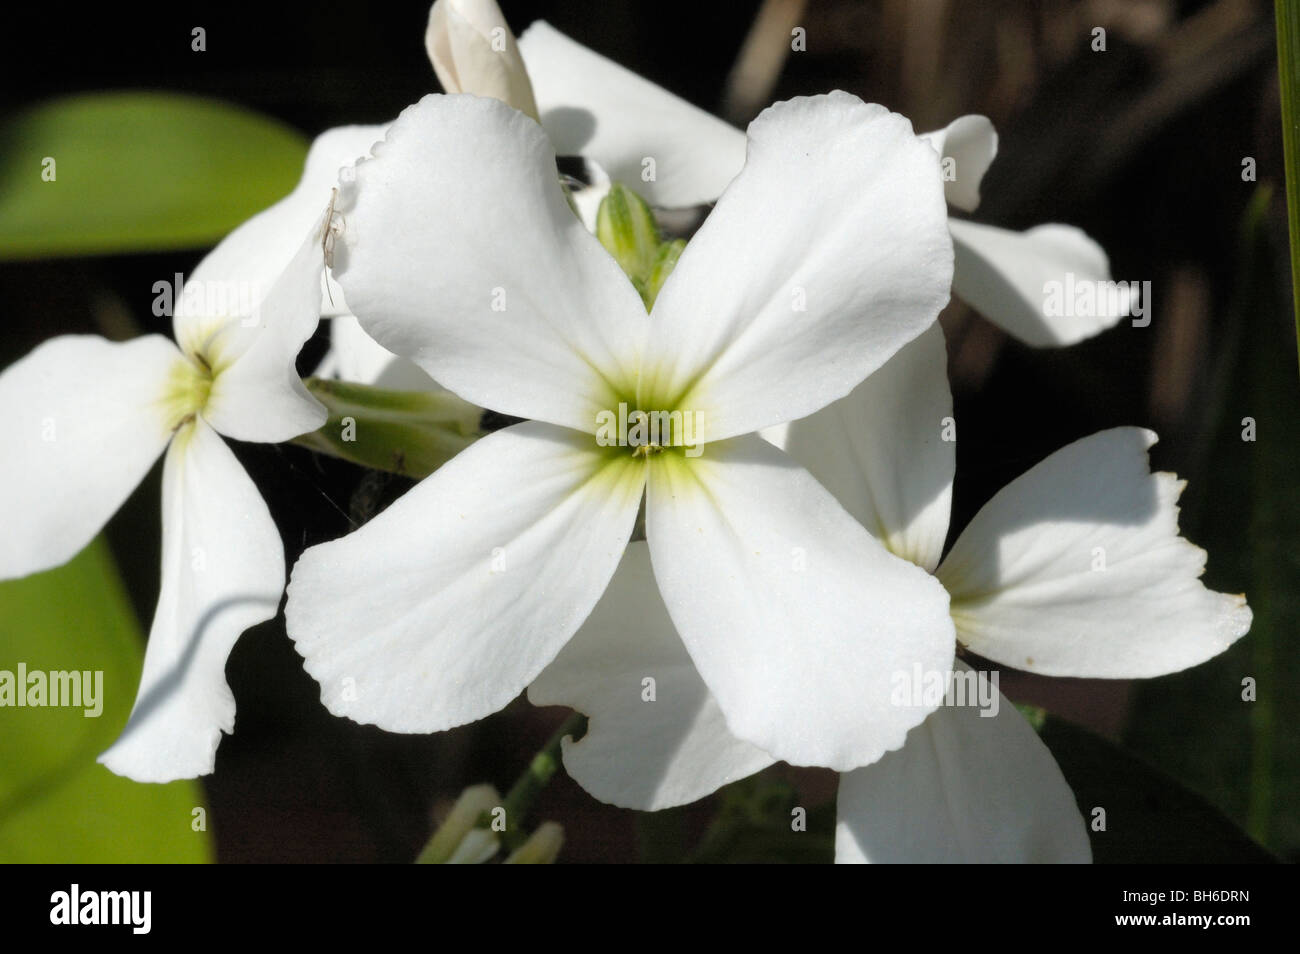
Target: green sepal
x=664, y=263
x=411, y=433
x=626, y=227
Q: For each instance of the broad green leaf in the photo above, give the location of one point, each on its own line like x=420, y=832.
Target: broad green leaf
x=137, y=172
x=1149, y=818
x=56, y=803
x=1226, y=727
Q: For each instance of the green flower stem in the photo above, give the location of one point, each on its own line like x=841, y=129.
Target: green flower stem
x=1288, y=71
x=530, y=783
x=412, y=433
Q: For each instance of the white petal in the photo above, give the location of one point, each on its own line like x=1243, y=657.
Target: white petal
x=649, y=745
x=443, y=608
x=223, y=571
x=971, y=142
x=587, y=199
x=1006, y=277
x=256, y=392
x=827, y=254
x=460, y=252
x=593, y=107
x=473, y=51
x=969, y=787
x=237, y=275
x=86, y=420
x=1076, y=568
x=357, y=357
x=881, y=451
x=795, y=616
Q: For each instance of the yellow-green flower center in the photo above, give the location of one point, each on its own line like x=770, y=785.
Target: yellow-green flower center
x=187, y=391
x=645, y=433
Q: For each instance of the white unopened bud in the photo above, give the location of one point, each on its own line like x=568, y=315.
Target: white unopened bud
x=542, y=847
x=473, y=51
x=458, y=840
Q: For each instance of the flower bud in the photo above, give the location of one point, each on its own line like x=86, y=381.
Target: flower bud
x=542, y=847
x=457, y=840
x=473, y=51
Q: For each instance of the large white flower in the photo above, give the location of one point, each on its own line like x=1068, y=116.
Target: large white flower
x=826, y=254
x=1076, y=568
x=91, y=418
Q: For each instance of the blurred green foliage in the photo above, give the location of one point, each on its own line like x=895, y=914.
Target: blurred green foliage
x=56, y=803
x=1245, y=755
x=128, y=172
x=1149, y=817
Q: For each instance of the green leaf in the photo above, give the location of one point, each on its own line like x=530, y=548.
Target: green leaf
x=56, y=803
x=1149, y=817
x=1288, y=74
x=137, y=172
x=1231, y=740
x=756, y=823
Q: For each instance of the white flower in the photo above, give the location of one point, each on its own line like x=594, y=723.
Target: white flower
x=672, y=153
x=826, y=254
x=589, y=106
x=1075, y=569
x=593, y=107
x=677, y=155
x=92, y=416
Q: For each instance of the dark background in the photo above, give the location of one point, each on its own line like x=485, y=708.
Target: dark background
x=1140, y=145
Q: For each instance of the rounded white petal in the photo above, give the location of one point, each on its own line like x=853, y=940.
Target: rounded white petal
x=971, y=786
x=881, y=451
x=256, y=392
x=1076, y=568
x=795, y=616
x=223, y=571
x=971, y=143
x=460, y=252
x=827, y=254
x=655, y=736
x=473, y=51
x=87, y=419
x=237, y=276
x=593, y=107
x=357, y=357
x=1009, y=277
x=445, y=606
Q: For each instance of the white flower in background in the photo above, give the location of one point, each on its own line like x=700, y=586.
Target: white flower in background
x=670, y=152
x=826, y=254
x=593, y=107
x=90, y=417
x=1005, y=275
x=1075, y=568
